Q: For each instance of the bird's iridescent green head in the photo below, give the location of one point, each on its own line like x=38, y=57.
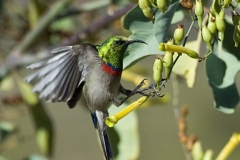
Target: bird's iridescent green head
x=113, y=49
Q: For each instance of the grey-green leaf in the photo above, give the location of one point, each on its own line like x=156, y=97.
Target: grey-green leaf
x=143, y=29
x=222, y=80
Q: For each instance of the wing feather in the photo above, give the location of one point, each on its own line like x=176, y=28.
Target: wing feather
x=49, y=73
x=62, y=73
x=71, y=69
x=58, y=81
x=71, y=84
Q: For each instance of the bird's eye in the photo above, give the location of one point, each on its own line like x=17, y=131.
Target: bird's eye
x=119, y=42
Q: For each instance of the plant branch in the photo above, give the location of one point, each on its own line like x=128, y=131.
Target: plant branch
x=184, y=43
x=16, y=58
x=95, y=26
x=57, y=8
x=88, y=6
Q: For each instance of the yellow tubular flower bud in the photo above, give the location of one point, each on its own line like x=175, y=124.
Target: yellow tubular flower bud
x=178, y=34
x=220, y=23
x=199, y=12
x=179, y=49
x=236, y=35
x=229, y=147
x=112, y=120
x=207, y=37
x=157, y=71
x=162, y=5
x=145, y=7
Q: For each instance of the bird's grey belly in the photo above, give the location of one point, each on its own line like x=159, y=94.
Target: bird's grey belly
x=99, y=91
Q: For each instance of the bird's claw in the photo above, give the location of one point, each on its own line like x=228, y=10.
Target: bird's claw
x=137, y=90
x=156, y=92
x=141, y=84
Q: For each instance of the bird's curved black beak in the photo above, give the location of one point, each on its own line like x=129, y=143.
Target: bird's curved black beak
x=135, y=41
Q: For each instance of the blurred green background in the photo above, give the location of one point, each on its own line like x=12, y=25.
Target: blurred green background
x=74, y=135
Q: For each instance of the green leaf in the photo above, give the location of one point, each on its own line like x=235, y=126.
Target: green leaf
x=64, y=24
x=127, y=130
x=26, y=92
x=186, y=66
x=3, y=158
x=35, y=157
x=33, y=13
x=43, y=124
x=7, y=83
x=197, y=151
x=221, y=68
x=208, y=155
x=44, y=137
x=6, y=128
x=93, y=5
x=143, y=29
x=44, y=131
x=228, y=43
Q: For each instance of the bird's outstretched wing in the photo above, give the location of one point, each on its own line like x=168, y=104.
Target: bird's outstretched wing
x=61, y=75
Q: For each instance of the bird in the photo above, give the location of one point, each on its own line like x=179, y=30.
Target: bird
x=92, y=70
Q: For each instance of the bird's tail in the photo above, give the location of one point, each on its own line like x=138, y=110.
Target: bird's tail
x=98, y=118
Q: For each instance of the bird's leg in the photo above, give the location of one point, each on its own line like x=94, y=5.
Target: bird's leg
x=115, y=101
x=153, y=87
x=130, y=93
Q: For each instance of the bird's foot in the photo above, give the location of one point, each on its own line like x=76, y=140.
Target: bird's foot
x=156, y=89
x=138, y=89
x=130, y=93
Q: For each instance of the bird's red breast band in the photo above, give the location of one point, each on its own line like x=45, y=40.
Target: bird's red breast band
x=111, y=70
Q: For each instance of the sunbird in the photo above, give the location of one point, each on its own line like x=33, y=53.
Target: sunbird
x=94, y=70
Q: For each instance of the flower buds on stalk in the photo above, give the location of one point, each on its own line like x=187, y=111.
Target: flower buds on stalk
x=168, y=60
x=188, y=4
x=178, y=34
x=145, y=7
x=235, y=18
x=220, y=23
x=212, y=25
x=179, y=49
x=157, y=71
x=226, y=3
x=215, y=8
x=236, y=35
x=162, y=5
x=207, y=37
x=199, y=12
